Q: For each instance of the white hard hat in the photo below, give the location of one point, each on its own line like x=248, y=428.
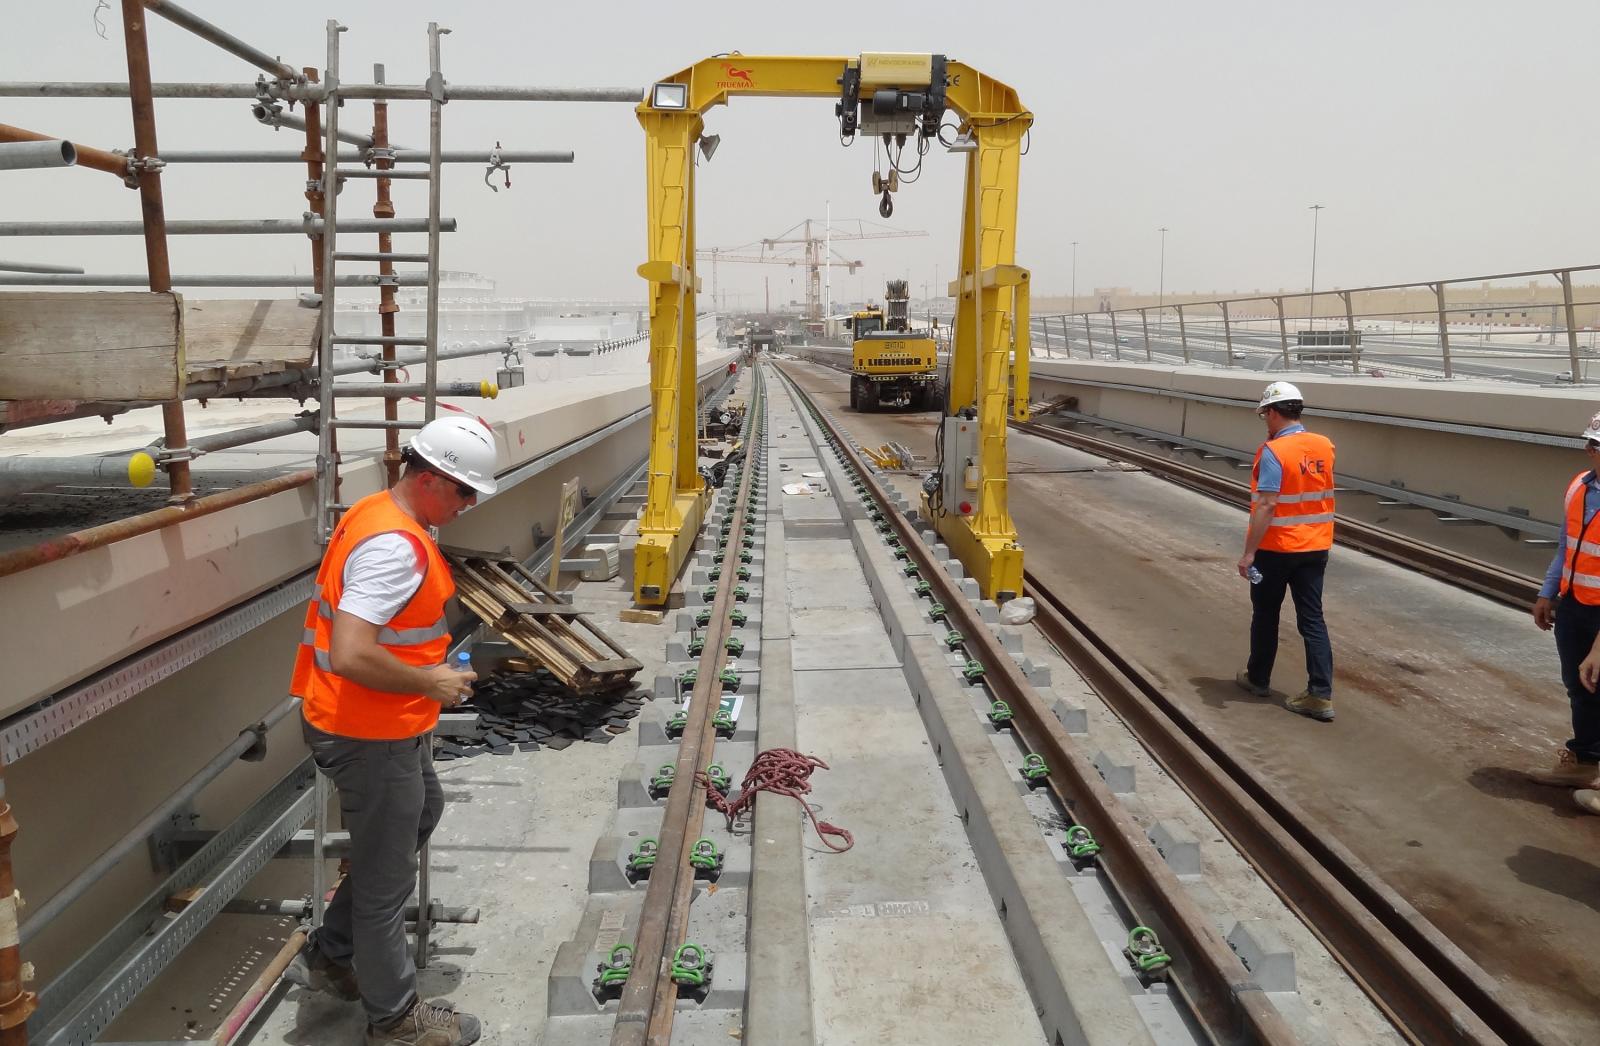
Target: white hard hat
x=461, y=448
x=1593, y=430
x=1279, y=392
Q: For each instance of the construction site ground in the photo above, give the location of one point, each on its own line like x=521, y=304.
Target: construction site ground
x=1443, y=698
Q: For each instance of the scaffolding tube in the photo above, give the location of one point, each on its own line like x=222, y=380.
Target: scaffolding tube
x=36, y=155
x=22, y=475
x=315, y=92
x=275, y=117
x=69, y=545
x=306, y=225
x=137, y=836
x=227, y=41
x=111, y=279
x=83, y=155
x=11, y=266
x=401, y=156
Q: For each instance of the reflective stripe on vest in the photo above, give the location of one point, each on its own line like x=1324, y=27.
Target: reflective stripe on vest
x=1302, y=517
x=1580, y=566
x=417, y=635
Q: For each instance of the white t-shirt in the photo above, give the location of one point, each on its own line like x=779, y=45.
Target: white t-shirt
x=379, y=578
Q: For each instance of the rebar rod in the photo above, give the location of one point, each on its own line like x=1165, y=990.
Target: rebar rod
x=404, y=279
x=157, y=261
x=303, y=226
x=136, y=836
x=227, y=41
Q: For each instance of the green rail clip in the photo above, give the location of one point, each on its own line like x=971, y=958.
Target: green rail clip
x=642, y=860
x=936, y=611
x=706, y=859
x=1034, y=770
x=691, y=967
x=1079, y=844
x=719, y=778
x=661, y=783
x=972, y=671
x=1000, y=714
x=733, y=645
x=724, y=723
x=953, y=638
x=677, y=724
x=614, y=973
x=1145, y=953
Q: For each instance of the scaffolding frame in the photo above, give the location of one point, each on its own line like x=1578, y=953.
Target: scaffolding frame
x=87, y=1000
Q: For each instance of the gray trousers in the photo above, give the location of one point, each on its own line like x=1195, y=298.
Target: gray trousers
x=390, y=800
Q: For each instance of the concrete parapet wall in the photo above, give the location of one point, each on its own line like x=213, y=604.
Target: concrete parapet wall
x=1414, y=449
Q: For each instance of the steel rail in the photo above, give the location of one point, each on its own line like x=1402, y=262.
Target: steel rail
x=1217, y=989
x=644, y=1014
x=1475, y=575
x=1486, y=579
x=1433, y=991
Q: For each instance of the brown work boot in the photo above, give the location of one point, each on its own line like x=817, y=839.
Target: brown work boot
x=1250, y=686
x=311, y=969
x=427, y=1025
x=1568, y=772
x=1311, y=706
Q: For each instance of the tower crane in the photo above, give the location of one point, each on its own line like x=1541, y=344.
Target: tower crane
x=816, y=240
x=729, y=254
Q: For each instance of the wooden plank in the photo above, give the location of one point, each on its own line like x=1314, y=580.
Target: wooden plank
x=90, y=345
x=239, y=332
x=639, y=616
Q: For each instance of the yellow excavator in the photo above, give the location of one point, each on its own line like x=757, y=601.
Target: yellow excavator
x=890, y=365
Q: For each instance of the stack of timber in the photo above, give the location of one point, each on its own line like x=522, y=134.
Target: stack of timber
x=554, y=634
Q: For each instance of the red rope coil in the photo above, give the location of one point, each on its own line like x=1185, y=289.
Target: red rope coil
x=782, y=771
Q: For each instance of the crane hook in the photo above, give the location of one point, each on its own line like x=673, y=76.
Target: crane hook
x=496, y=164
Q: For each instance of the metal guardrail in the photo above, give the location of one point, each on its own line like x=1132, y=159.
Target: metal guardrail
x=1543, y=329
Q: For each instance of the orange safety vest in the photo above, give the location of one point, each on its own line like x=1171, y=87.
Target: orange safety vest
x=1580, y=567
x=1302, y=521
x=418, y=634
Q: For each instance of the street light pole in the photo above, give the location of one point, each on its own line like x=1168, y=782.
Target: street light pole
x=1311, y=308
x=1074, y=306
x=1161, y=289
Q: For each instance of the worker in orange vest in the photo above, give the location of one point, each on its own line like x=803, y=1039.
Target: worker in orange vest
x=1286, y=548
x=372, y=680
x=1569, y=601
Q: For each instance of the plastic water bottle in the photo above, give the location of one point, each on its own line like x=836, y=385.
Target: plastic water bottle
x=1253, y=574
x=462, y=661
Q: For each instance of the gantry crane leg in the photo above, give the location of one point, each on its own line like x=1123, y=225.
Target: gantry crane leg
x=674, y=505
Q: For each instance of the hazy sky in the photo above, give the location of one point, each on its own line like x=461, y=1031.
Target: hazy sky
x=1444, y=140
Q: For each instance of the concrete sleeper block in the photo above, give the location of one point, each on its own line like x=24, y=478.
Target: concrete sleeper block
x=1118, y=777
x=1178, y=845
x=1264, y=953
x=1073, y=719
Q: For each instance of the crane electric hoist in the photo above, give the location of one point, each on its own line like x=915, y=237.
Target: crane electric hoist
x=896, y=98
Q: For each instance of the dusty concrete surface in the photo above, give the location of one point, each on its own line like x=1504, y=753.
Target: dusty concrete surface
x=1443, y=697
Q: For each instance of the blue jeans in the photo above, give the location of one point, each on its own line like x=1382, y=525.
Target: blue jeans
x=1300, y=573
x=1576, y=626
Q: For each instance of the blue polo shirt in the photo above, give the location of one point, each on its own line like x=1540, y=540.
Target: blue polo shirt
x=1591, y=505
x=1269, y=477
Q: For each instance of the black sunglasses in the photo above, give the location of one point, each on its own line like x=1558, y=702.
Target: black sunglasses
x=466, y=492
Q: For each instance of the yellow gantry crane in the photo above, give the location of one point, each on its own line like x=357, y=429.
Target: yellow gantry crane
x=901, y=99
